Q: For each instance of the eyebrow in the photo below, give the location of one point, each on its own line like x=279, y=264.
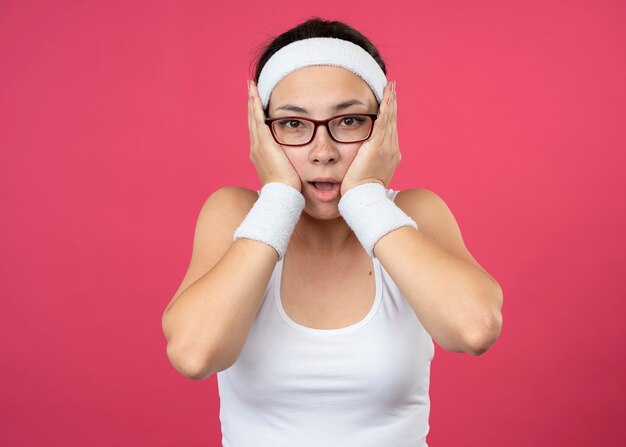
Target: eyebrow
x=335, y=108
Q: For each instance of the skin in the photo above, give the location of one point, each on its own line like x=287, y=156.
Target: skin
x=456, y=300
x=317, y=89
x=208, y=320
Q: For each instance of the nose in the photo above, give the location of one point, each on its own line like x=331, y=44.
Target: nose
x=324, y=150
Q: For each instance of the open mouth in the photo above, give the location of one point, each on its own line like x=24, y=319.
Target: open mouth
x=323, y=186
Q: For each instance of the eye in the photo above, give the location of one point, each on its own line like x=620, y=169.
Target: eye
x=290, y=124
x=352, y=121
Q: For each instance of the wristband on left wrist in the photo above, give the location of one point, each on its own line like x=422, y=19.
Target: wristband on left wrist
x=371, y=214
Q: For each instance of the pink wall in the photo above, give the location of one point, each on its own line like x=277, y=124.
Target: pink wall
x=118, y=119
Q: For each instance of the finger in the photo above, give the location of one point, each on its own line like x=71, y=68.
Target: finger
x=384, y=104
x=388, y=119
x=254, y=105
x=392, y=102
x=251, y=123
x=386, y=107
x=385, y=111
x=252, y=130
x=380, y=124
x=395, y=104
x=258, y=107
x=394, y=120
x=393, y=115
x=262, y=130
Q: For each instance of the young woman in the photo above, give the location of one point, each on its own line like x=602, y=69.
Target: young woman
x=317, y=298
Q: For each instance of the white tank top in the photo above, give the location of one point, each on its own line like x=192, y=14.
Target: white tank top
x=362, y=385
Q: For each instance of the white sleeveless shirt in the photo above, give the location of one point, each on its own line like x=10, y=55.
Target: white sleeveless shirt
x=358, y=386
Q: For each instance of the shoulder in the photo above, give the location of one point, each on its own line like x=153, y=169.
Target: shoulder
x=223, y=211
x=435, y=219
x=423, y=205
x=236, y=193
x=429, y=211
x=230, y=201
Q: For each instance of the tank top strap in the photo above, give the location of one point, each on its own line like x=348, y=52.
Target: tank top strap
x=391, y=194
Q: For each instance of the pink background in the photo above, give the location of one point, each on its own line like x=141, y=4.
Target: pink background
x=118, y=119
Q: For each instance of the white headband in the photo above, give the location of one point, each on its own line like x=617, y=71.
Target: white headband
x=321, y=51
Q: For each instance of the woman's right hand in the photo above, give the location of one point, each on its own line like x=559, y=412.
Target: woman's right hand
x=270, y=161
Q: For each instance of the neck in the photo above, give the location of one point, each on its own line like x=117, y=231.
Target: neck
x=323, y=237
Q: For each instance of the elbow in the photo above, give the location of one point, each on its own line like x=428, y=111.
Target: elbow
x=184, y=358
x=488, y=329
x=191, y=366
x=481, y=339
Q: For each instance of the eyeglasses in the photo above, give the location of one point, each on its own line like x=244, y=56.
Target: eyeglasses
x=298, y=131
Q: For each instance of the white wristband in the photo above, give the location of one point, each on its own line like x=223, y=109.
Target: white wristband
x=371, y=214
x=273, y=216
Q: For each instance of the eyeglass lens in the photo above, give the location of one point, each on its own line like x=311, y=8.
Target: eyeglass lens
x=346, y=129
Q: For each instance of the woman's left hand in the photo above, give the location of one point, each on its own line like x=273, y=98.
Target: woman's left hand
x=378, y=156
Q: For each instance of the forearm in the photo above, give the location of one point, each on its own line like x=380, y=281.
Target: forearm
x=455, y=301
x=208, y=324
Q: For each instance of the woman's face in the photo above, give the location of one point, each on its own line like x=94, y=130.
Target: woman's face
x=317, y=92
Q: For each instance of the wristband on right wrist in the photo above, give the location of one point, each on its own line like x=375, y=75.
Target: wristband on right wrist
x=273, y=216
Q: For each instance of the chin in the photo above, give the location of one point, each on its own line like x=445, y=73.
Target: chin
x=323, y=211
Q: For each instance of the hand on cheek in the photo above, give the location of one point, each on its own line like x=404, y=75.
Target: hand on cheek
x=378, y=156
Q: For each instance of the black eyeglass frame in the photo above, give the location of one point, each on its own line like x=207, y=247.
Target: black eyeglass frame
x=318, y=123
